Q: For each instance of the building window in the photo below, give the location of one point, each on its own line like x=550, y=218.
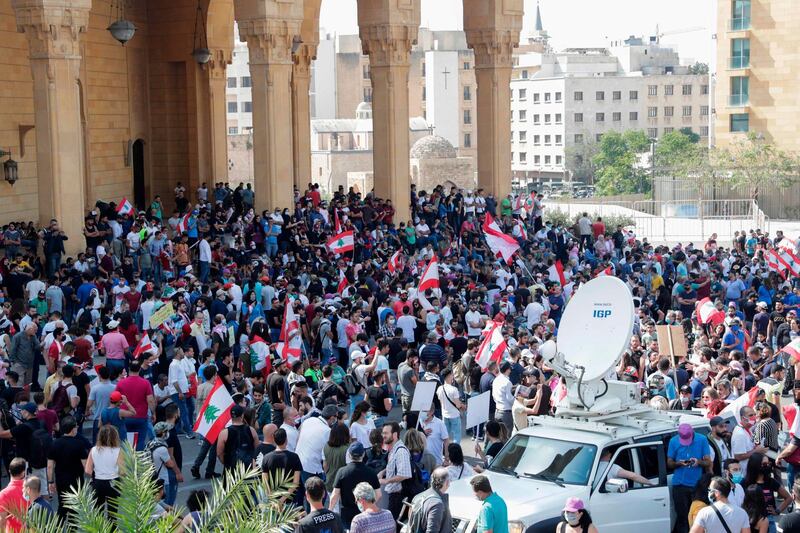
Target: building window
x=704, y=89
x=523, y=136
x=537, y=140
x=599, y=117
x=523, y=94
x=616, y=95
x=740, y=15
x=578, y=139
x=233, y=130
x=422, y=65
x=247, y=81
x=633, y=96
x=467, y=140
x=633, y=115
x=558, y=96
x=652, y=90
x=558, y=118
x=652, y=133
x=547, y=140
x=425, y=93
x=231, y=83
x=523, y=157
x=547, y=117
x=546, y=98
x=652, y=112
x=578, y=117
x=740, y=122
x=740, y=53
x=669, y=111
x=558, y=160
x=616, y=116
x=668, y=130
x=536, y=159
x=547, y=160
x=524, y=74
x=669, y=90
x=703, y=110
x=233, y=107
x=578, y=160
x=367, y=94
x=599, y=95
x=687, y=111
x=704, y=131
x=559, y=140
x=740, y=90
x=598, y=137
x=468, y=93
x=467, y=116
x=578, y=96
x=535, y=117
x=686, y=90
x=536, y=98
x=247, y=107
x=467, y=65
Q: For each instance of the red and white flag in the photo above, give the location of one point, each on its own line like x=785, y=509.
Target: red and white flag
x=259, y=355
x=342, y=282
x=144, y=346
x=290, y=345
x=522, y=231
x=183, y=223
x=771, y=256
x=428, y=280
x=608, y=271
x=707, y=312
x=395, y=262
x=492, y=348
x=555, y=273
x=747, y=399
x=502, y=245
x=786, y=257
x=341, y=243
x=215, y=414
x=337, y=225
x=124, y=207
x=793, y=349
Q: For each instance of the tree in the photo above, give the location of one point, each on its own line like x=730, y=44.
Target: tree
x=673, y=149
x=695, y=138
x=230, y=508
x=699, y=68
x=753, y=163
x=580, y=161
x=617, y=164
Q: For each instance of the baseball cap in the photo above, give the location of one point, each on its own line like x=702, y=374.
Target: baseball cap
x=686, y=388
x=715, y=421
x=685, y=434
x=30, y=407
x=161, y=428
x=573, y=505
x=356, y=450
x=113, y=324
x=115, y=396
x=329, y=411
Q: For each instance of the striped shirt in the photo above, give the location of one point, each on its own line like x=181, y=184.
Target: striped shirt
x=398, y=464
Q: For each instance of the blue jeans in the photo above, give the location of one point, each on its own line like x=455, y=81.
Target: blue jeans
x=184, y=426
x=272, y=249
x=118, y=364
x=171, y=488
x=142, y=427
x=453, y=426
x=205, y=268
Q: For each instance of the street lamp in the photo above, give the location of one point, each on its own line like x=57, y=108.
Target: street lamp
x=653, y=142
x=10, y=168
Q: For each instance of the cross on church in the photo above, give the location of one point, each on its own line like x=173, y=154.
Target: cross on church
x=445, y=72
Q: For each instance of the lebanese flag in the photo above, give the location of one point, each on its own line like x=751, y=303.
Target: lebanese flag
x=502, y=245
x=793, y=349
x=342, y=282
x=556, y=273
x=774, y=263
x=708, y=313
x=144, y=346
x=788, y=259
x=337, y=226
x=183, y=224
x=430, y=276
x=522, y=231
x=792, y=420
x=341, y=243
x=747, y=399
x=124, y=207
x=492, y=348
x=395, y=262
x=215, y=414
x=290, y=344
x=259, y=355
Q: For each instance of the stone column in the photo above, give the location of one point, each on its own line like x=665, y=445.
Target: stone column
x=53, y=30
x=269, y=28
x=217, y=84
x=492, y=29
x=301, y=114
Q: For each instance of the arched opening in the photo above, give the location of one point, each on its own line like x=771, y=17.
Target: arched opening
x=138, y=174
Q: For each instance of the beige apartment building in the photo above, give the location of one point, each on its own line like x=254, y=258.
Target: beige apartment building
x=758, y=66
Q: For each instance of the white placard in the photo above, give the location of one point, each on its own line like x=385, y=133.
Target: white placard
x=478, y=409
x=423, y=395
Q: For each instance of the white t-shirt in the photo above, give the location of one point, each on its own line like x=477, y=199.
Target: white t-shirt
x=448, y=408
x=291, y=436
x=177, y=374
x=435, y=441
x=533, y=313
x=204, y=250
x=314, y=433
x=33, y=287
x=407, y=323
x=360, y=432
x=735, y=518
x=741, y=442
x=473, y=317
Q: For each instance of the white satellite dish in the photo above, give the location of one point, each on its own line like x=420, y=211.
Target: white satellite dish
x=596, y=327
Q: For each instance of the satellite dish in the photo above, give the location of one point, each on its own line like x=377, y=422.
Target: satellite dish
x=597, y=326
x=548, y=350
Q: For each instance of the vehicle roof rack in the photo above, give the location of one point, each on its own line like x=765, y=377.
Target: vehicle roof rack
x=639, y=417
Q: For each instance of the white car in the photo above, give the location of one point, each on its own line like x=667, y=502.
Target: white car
x=557, y=458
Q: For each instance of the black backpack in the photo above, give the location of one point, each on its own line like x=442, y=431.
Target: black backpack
x=151, y=447
x=418, y=482
x=239, y=448
x=351, y=384
x=41, y=440
x=59, y=402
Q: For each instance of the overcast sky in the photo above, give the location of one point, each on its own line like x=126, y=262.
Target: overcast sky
x=573, y=23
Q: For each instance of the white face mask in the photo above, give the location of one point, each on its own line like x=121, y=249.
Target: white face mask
x=571, y=518
x=360, y=506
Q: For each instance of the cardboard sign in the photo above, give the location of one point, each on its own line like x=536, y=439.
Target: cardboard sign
x=423, y=395
x=672, y=342
x=160, y=316
x=478, y=409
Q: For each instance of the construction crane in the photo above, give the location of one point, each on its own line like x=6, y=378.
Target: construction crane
x=659, y=35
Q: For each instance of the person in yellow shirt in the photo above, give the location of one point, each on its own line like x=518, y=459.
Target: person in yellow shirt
x=700, y=498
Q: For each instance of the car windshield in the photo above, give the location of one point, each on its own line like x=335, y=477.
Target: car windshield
x=549, y=459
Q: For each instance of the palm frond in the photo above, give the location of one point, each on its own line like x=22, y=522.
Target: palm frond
x=40, y=521
x=86, y=516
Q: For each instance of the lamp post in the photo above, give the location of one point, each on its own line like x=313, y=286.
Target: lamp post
x=10, y=168
x=653, y=142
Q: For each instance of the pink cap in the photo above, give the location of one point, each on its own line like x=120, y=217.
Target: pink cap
x=574, y=505
x=685, y=434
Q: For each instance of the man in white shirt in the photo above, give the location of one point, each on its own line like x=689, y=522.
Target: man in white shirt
x=720, y=516
x=451, y=406
x=180, y=382
x=742, y=446
x=474, y=321
x=204, y=258
x=314, y=433
x=436, y=436
x=408, y=324
x=533, y=313
x=289, y=421
x=717, y=436
x=504, y=397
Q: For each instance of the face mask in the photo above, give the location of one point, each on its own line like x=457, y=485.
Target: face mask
x=360, y=507
x=571, y=518
x=26, y=496
x=712, y=496
x=737, y=477
x=766, y=470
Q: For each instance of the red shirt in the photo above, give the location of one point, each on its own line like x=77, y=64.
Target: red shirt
x=130, y=334
x=83, y=349
x=136, y=389
x=133, y=299
x=11, y=500
x=598, y=228
x=48, y=418
x=54, y=352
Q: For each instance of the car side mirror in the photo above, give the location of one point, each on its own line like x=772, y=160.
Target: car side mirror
x=616, y=486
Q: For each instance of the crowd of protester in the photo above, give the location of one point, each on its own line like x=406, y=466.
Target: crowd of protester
x=77, y=381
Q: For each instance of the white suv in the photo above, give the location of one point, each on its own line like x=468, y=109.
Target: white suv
x=557, y=458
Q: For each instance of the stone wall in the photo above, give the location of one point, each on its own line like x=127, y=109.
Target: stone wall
x=330, y=169
x=428, y=173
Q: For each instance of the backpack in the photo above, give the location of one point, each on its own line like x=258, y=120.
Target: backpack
x=239, y=449
x=41, y=441
x=323, y=393
x=417, y=519
x=151, y=447
x=351, y=384
x=59, y=402
x=375, y=461
x=418, y=482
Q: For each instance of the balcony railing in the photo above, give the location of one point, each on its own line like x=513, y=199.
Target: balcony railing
x=741, y=23
x=738, y=100
x=740, y=62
